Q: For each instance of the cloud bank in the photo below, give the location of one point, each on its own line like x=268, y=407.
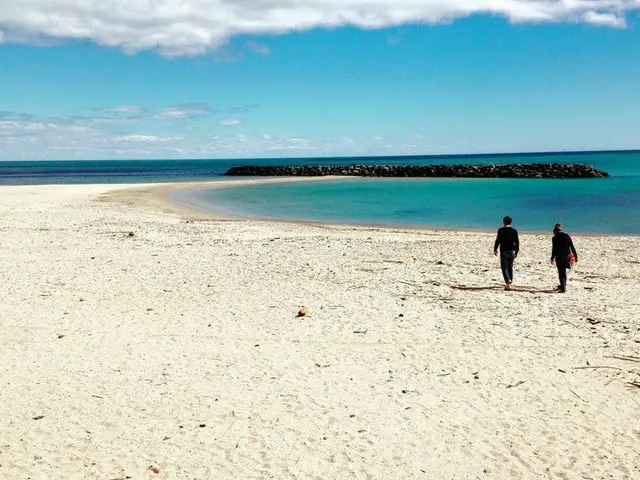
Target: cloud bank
x=193, y=27
x=132, y=132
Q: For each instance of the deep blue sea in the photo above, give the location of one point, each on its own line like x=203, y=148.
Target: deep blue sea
x=609, y=205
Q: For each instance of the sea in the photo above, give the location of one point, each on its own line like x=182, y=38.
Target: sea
x=600, y=205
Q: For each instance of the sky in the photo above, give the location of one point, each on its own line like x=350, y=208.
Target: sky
x=128, y=79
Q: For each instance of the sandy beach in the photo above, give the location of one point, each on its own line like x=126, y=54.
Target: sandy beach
x=140, y=340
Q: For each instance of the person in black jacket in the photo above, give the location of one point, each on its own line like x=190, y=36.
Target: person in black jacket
x=507, y=241
x=562, y=248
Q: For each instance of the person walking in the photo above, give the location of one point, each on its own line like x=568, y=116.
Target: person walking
x=509, y=244
x=563, y=253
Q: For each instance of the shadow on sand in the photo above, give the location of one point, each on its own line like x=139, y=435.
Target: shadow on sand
x=523, y=288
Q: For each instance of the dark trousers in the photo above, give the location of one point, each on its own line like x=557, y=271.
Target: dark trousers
x=506, y=264
x=562, y=266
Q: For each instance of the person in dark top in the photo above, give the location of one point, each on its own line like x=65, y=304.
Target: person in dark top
x=562, y=248
x=507, y=241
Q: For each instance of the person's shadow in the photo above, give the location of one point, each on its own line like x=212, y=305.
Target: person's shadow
x=525, y=288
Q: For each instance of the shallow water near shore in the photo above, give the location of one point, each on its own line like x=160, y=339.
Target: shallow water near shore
x=594, y=205
x=597, y=205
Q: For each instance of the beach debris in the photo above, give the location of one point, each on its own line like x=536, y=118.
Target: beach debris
x=627, y=358
x=131, y=234
x=154, y=469
x=303, y=312
x=517, y=384
x=596, y=366
x=38, y=417
x=577, y=395
x=60, y=336
x=362, y=332
x=202, y=425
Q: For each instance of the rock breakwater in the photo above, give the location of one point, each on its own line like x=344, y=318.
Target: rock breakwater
x=520, y=170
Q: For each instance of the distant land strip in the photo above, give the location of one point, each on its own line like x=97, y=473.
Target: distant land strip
x=514, y=170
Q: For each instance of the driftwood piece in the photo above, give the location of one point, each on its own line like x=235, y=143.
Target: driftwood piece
x=597, y=366
x=627, y=358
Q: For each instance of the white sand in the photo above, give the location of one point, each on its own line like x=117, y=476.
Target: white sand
x=125, y=346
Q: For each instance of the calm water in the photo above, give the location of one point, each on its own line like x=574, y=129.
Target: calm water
x=610, y=205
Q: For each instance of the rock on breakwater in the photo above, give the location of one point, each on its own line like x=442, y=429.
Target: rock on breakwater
x=519, y=170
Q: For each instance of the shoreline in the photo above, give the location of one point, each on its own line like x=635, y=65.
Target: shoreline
x=159, y=195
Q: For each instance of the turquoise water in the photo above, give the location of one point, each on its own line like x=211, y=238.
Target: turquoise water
x=609, y=205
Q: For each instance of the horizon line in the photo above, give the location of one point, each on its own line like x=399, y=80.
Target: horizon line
x=411, y=156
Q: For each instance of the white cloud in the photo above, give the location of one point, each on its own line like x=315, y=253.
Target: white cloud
x=230, y=122
x=192, y=27
x=133, y=109
x=258, y=48
x=133, y=153
x=143, y=139
x=187, y=110
x=604, y=19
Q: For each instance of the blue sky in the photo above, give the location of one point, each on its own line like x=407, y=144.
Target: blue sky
x=479, y=83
